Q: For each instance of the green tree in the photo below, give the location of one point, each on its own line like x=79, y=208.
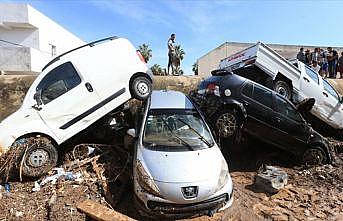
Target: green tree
x=157, y=70
x=145, y=51
x=195, y=68
x=179, y=52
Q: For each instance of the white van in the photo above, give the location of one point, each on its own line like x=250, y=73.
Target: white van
x=73, y=91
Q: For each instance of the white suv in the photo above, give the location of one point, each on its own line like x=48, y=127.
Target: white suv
x=73, y=91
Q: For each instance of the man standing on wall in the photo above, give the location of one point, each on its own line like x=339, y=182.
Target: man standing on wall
x=171, y=52
x=301, y=55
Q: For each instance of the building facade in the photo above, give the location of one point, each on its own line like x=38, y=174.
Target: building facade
x=210, y=61
x=29, y=39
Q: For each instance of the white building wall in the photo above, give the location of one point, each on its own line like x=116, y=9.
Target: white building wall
x=24, y=25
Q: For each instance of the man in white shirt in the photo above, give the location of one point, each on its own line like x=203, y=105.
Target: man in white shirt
x=315, y=66
x=171, y=51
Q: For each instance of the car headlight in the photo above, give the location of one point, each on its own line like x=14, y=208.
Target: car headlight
x=145, y=181
x=223, y=177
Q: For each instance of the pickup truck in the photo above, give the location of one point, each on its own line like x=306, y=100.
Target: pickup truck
x=290, y=78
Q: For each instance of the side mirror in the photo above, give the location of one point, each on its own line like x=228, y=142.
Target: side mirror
x=37, y=96
x=131, y=132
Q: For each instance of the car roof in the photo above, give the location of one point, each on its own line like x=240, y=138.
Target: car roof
x=167, y=99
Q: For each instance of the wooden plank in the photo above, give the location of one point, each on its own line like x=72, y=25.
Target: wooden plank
x=101, y=213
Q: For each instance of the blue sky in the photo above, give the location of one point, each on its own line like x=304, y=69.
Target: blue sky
x=200, y=25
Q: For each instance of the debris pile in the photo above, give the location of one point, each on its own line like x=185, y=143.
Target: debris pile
x=95, y=172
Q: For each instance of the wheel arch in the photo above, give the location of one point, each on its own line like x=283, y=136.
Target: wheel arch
x=279, y=76
x=235, y=105
x=323, y=147
x=139, y=74
x=36, y=134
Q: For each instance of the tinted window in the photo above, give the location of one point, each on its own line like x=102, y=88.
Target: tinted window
x=247, y=89
x=286, y=109
x=312, y=74
x=262, y=96
x=58, y=81
x=330, y=89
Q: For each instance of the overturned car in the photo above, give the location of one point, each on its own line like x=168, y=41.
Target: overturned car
x=232, y=102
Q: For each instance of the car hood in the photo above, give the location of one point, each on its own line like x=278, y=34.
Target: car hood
x=182, y=167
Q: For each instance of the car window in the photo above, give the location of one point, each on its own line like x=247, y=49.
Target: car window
x=330, y=89
x=172, y=130
x=312, y=74
x=247, y=89
x=286, y=109
x=262, y=95
x=58, y=81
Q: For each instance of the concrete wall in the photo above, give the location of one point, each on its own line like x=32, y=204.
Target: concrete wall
x=24, y=25
x=210, y=61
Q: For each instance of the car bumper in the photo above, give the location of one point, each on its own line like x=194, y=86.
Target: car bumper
x=150, y=205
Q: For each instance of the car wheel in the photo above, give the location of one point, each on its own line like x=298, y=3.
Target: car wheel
x=314, y=156
x=226, y=124
x=283, y=89
x=39, y=158
x=141, y=88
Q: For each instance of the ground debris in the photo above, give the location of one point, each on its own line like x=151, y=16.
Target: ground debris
x=100, y=175
x=99, y=212
x=271, y=179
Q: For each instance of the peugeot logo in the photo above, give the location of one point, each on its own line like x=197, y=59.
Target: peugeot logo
x=189, y=191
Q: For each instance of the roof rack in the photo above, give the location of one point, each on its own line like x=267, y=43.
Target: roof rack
x=91, y=44
x=220, y=72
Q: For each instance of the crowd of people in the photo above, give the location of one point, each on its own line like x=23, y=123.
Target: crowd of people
x=325, y=62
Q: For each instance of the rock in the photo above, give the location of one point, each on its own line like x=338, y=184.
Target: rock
x=271, y=179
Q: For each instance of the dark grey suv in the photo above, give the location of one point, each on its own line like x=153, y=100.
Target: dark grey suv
x=231, y=102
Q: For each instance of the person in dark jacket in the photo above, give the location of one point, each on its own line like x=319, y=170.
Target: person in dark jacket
x=301, y=55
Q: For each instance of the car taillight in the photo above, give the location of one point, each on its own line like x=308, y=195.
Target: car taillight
x=213, y=89
x=140, y=56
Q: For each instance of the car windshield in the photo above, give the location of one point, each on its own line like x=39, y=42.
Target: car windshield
x=176, y=130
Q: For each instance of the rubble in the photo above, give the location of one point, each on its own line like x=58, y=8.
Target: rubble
x=99, y=212
x=271, y=179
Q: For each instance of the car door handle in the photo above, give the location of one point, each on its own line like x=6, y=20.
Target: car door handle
x=89, y=87
x=246, y=103
x=278, y=119
x=306, y=79
x=326, y=95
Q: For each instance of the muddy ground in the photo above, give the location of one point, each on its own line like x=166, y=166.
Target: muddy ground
x=311, y=194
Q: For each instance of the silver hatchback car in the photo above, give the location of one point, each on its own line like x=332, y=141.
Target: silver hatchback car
x=178, y=169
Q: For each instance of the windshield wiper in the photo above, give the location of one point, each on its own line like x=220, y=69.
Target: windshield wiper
x=180, y=139
x=202, y=138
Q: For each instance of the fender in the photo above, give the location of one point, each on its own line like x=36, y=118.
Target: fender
x=16, y=126
x=233, y=102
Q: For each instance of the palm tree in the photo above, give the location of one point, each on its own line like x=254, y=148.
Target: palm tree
x=156, y=70
x=195, y=68
x=145, y=51
x=179, y=52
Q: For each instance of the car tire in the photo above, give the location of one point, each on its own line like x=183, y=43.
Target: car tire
x=314, y=156
x=283, y=89
x=226, y=124
x=39, y=158
x=141, y=88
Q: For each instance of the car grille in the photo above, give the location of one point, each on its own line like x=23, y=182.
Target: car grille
x=171, y=208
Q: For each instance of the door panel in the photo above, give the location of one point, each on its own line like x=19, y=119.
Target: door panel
x=332, y=106
x=64, y=98
x=292, y=130
x=310, y=86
